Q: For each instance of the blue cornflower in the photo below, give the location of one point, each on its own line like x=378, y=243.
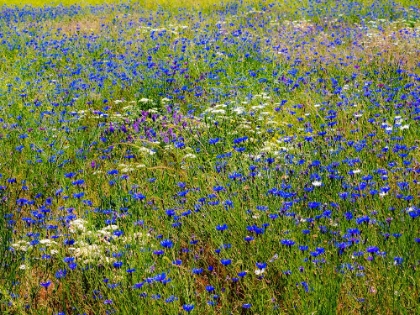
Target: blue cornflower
x=34, y=242
x=398, y=261
x=188, y=307
x=242, y=274
x=61, y=273
x=167, y=243
x=262, y=208
x=314, y=205
x=303, y=248
x=372, y=249
x=138, y=196
x=171, y=299
x=221, y=227
x=261, y=265
x=118, y=233
x=228, y=204
x=364, y=219
x=214, y=140
x=138, y=285
x=288, y=243
x=118, y=264
x=248, y=238
x=160, y=277
x=78, y=195
x=197, y=271
x=226, y=262
x=305, y=286
x=218, y=188
x=170, y=212
x=78, y=182
x=209, y=288
x=240, y=140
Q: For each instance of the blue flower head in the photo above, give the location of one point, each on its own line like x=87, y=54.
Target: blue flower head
x=188, y=307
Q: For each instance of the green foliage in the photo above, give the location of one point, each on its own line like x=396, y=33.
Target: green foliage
x=245, y=157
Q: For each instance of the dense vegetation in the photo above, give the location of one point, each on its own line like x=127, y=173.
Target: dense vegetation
x=245, y=158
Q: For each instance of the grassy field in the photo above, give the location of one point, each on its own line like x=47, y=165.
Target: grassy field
x=286, y=5
x=210, y=158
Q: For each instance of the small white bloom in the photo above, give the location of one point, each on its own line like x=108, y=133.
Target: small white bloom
x=127, y=169
x=218, y=111
x=146, y=150
x=275, y=257
x=47, y=242
x=77, y=225
x=189, y=156
x=238, y=110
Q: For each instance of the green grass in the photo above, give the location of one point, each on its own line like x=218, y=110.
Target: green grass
x=122, y=126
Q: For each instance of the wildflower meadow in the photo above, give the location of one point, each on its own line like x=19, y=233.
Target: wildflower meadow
x=209, y=157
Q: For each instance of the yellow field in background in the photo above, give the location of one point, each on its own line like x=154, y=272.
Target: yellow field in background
x=290, y=4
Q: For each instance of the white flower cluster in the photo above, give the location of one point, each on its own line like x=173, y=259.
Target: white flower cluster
x=99, y=242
